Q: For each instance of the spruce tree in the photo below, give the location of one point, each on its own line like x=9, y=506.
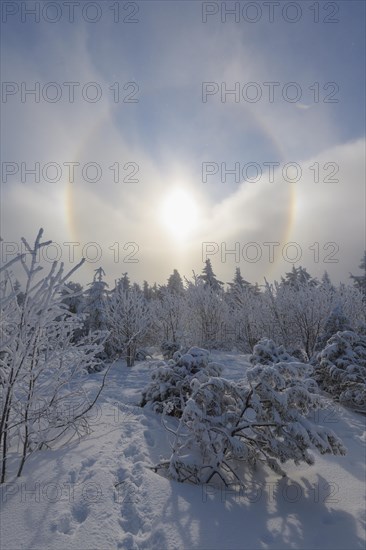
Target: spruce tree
x=175, y=283
x=209, y=278
x=95, y=301
x=239, y=284
x=124, y=282
x=297, y=277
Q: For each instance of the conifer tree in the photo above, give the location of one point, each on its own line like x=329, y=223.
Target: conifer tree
x=360, y=280
x=175, y=283
x=297, y=277
x=209, y=278
x=95, y=302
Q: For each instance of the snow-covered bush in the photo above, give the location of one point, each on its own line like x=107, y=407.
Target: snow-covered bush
x=298, y=313
x=170, y=384
x=225, y=424
x=43, y=398
x=169, y=312
x=247, y=312
x=299, y=310
x=341, y=369
x=266, y=352
x=169, y=349
x=128, y=319
x=336, y=322
x=298, y=353
x=208, y=315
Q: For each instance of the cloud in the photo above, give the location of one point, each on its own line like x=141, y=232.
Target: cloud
x=302, y=212
x=168, y=134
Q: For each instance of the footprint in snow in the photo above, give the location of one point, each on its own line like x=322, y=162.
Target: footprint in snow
x=85, y=468
x=63, y=524
x=67, y=522
x=73, y=476
x=87, y=462
x=128, y=542
x=138, y=474
x=134, y=452
x=121, y=474
x=80, y=512
x=149, y=439
x=327, y=520
x=84, y=464
x=130, y=520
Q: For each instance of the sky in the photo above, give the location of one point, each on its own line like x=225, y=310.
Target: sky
x=163, y=133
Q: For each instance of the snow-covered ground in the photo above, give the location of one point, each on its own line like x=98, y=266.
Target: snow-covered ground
x=100, y=493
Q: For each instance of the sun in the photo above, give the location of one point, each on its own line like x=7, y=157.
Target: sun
x=179, y=213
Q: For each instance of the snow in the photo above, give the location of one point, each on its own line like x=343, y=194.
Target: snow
x=101, y=493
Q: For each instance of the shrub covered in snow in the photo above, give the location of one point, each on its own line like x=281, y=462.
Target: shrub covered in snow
x=266, y=352
x=337, y=321
x=342, y=368
x=128, y=319
x=43, y=396
x=169, y=348
x=170, y=384
x=225, y=424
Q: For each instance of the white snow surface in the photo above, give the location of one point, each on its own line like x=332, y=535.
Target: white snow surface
x=100, y=493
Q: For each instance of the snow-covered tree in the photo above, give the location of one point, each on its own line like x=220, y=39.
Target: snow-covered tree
x=124, y=282
x=170, y=384
x=147, y=291
x=74, y=300
x=128, y=320
x=336, y=322
x=42, y=370
x=169, y=313
x=95, y=299
x=136, y=287
x=326, y=282
x=297, y=277
x=226, y=424
x=175, y=283
x=209, y=278
x=154, y=291
x=299, y=313
x=239, y=284
x=360, y=280
x=73, y=297
x=351, y=300
x=247, y=318
x=341, y=369
x=208, y=314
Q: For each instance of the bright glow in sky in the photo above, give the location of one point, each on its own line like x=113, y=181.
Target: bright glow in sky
x=179, y=213
x=163, y=130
